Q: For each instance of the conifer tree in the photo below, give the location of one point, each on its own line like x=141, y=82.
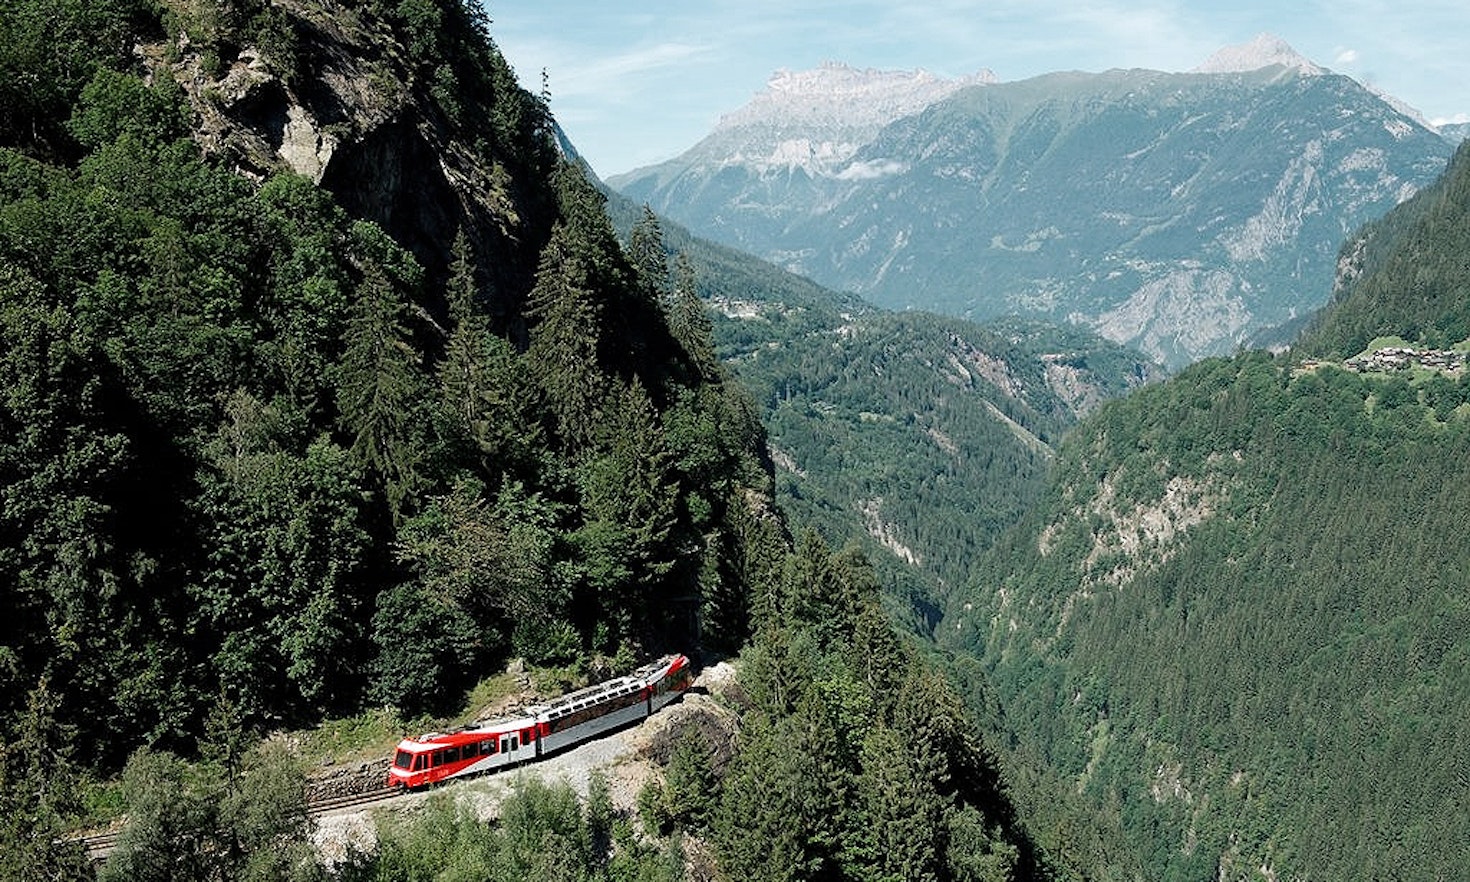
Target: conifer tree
x=689, y=320
x=563, y=354
x=646, y=253
x=37, y=794
x=380, y=390
x=486, y=395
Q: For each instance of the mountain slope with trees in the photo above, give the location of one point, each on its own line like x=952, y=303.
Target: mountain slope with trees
x=259, y=450
x=1235, y=630
x=924, y=436
x=327, y=384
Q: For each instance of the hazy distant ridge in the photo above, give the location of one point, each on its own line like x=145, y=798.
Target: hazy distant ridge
x=1182, y=213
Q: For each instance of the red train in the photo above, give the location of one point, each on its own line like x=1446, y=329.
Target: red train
x=541, y=729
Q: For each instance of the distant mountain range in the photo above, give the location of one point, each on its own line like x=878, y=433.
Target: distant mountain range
x=1185, y=214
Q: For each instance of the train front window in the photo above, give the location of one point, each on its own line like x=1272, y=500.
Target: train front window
x=403, y=759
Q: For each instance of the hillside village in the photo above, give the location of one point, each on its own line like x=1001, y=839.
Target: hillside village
x=1389, y=359
x=1398, y=358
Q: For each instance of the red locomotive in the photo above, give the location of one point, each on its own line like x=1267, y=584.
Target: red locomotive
x=539, y=729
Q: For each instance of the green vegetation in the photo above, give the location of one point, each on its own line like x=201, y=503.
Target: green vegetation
x=1405, y=275
x=265, y=463
x=923, y=436
x=252, y=452
x=856, y=760
x=544, y=832
x=1234, y=629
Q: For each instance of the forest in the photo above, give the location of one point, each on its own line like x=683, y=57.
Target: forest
x=1268, y=677
x=273, y=453
x=267, y=460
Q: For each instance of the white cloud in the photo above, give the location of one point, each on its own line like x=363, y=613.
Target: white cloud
x=871, y=170
x=1346, y=56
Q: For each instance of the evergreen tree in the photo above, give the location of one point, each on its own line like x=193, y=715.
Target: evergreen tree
x=565, y=340
x=649, y=258
x=38, y=795
x=484, y=388
x=689, y=320
x=381, y=391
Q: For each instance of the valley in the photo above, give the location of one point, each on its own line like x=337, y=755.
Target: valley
x=1194, y=628
x=1053, y=478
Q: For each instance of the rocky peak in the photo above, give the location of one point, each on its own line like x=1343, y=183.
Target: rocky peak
x=817, y=119
x=1265, y=50
x=342, y=100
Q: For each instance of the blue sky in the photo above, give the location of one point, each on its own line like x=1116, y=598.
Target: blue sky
x=634, y=83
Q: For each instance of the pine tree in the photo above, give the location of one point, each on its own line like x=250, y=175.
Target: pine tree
x=563, y=355
x=380, y=392
x=37, y=794
x=486, y=396
x=689, y=320
x=647, y=254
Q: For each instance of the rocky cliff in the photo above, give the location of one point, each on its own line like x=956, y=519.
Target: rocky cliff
x=385, y=117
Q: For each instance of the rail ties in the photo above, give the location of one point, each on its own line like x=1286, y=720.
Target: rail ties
x=99, y=845
x=332, y=803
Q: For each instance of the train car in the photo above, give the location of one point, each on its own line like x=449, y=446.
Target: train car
x=539, y=729
x=482, y=747
x=580, y=715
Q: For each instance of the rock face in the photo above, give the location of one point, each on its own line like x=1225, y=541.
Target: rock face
x=1183, y=214
x=353, y=111
x=816, y=120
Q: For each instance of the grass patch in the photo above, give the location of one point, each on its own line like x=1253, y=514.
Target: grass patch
x=370, y=735
x=561, y=680
x=490, y=691
x=102, y=803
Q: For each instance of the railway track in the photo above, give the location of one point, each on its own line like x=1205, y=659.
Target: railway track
x=333, y=803
x=100, y=845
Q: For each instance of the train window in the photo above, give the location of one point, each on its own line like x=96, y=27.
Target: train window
x=487, y=747
x=419, y=762
x=438, y=758
x=403, y=759
x=451, y=755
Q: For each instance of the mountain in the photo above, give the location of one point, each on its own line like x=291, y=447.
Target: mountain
x=919, y=436
x=295, y=301
x=328, y=388
x=1182, y=214
x=1234, y=631
x=817, y=120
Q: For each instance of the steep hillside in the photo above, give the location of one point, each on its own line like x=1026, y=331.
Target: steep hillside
x=1181, y=214
x=1236, y=629
x=327, y=380
x=328, y=386
x=1403, y=275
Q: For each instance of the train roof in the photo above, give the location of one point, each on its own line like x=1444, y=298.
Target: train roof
x=617, y=686
x=474, y=731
